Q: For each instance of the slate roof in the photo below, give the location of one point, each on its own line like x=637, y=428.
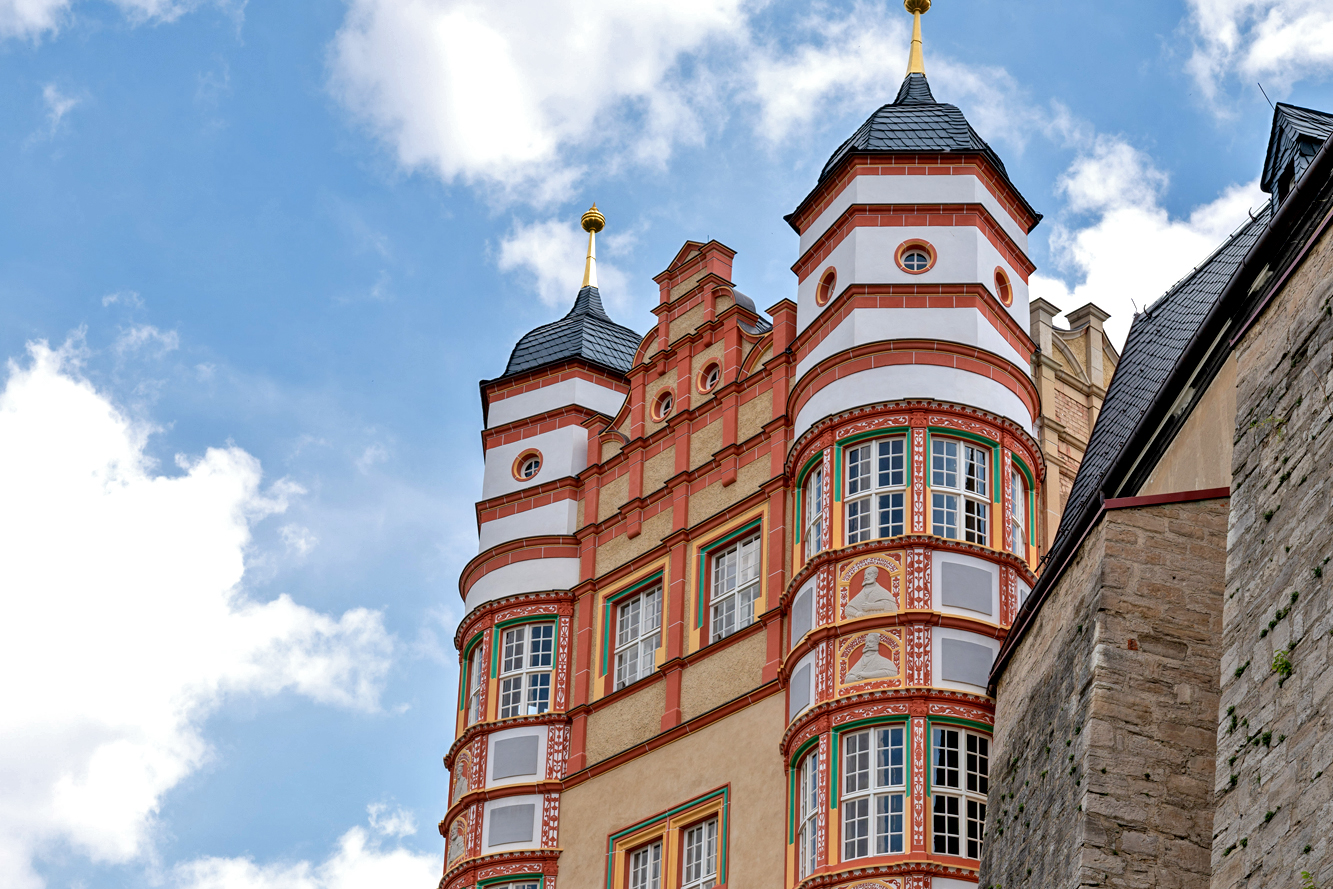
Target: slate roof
x=1157, y=338
x=915, y=122
x=587, y=332
x=1296, y=131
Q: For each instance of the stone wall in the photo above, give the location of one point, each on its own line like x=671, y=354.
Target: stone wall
x=1275, y=747
x=1104, y=743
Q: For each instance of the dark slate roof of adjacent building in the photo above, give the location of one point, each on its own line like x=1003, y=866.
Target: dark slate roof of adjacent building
x=1157, y=338
x=1297, y=135
x=587, y=332
x=915, y=122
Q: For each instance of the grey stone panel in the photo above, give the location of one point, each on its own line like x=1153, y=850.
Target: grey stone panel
x=511, y=824
x=965, y=662
x=512, y=757
x=800, y=691
x=802, y=614
x=966, y=586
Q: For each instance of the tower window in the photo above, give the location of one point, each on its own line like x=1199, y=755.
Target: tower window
x=814, y=512
x=960, y=490
x=915, y=257
x=525, y=670
x=1002, y=288
x=808, y=788
x=662, y=408
x=1019, y=510
x=528, y=464
x=827, y=283
x=476, y=681
x=876, y=490
x=960, y=781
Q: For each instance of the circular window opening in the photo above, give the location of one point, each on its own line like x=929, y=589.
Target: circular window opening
x=1002, y=288
x=916, y=257
x=528, y=464
x=664, y=405
x=824, y=292
x=710, y=377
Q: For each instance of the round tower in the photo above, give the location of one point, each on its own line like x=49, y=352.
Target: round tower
x=915, y=475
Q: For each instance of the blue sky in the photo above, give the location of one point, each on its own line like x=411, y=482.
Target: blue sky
x=254, y=258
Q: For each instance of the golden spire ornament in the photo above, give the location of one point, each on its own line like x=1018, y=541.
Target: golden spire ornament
x=916, y=62
x=593, y=221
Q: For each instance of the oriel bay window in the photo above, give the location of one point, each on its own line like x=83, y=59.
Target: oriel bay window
x=476, y=678
x=735, y=587
x=959, y=784
x=960, y=490
x=814, y=511
x=874, y=787
x=876, y=491
x=638, y=635
x=526, y=659
x=1018, y=525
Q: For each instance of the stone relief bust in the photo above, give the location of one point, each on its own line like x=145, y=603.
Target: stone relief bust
x=872, y=664
x=457, y=840
x=461, y=783
x=873, y=598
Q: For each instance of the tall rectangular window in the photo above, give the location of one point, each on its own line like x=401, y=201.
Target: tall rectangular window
x=814, y=512
x=645, y=867
x=638, y=634
x=527, y=656
x=700, y=858
x=874, y=785
x=959, y=483
x=1018, y=528
x=808, y=790
x=876, y=493
x=960, y=781
x=476, y=679
x=735, y=587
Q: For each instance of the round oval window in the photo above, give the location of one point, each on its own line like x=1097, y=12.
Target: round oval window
x=824, y=292
x=664, y=404
x=530, y=466
x=710, y=378
x=916, y=260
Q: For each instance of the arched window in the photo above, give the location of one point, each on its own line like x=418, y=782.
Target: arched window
x=662, y=408
x=528, y=464
x=711, y=376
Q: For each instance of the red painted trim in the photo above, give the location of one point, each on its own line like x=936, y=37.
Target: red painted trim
x=549, y=421
x=912, y=165
x=558, y=491
x=916, y=296
x=513, y=551
x=1173, y=497
x=916, y=215
x=915, y=352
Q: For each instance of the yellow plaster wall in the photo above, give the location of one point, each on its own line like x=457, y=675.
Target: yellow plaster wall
x=622, y=724
x=700, y=762
x=716, y=497
x=723, y=676
x=621, y=549
x=705, y=443
x=686, y=323
x=1200, y=456
x=611, y=497
x=658, y=469
x=753, y=415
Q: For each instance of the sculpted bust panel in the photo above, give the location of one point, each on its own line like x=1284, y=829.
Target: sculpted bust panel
x=872, y=664
x=457, y=839
x=873, y=597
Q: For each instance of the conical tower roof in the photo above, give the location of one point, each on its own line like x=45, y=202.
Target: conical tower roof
x=586, y=332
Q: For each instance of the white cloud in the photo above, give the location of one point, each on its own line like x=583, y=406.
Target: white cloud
x=32, y=19
x=1131, y=250
x=551, y=254
x=299, y=540
x=373, y=454
x=129, y=298
x=125, y=622
x=57, y=106
x=1277, y=41
x=496, y=94
x=146, y=337
x=398, y=823
x=361, y=861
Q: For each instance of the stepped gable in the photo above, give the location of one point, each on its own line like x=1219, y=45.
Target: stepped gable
x=1157, y=339
x=587, y=332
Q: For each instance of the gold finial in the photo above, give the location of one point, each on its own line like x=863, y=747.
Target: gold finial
x=593, y=221
x=916, y=62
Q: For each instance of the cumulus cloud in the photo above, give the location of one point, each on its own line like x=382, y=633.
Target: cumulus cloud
x=361, y=861
x=550, y=255
x=126, y=620
x=1278, y=41
x=493, y=94
x=1125, y=250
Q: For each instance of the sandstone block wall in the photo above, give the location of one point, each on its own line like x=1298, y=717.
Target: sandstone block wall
x=1274, y=782
x=1104, y=744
